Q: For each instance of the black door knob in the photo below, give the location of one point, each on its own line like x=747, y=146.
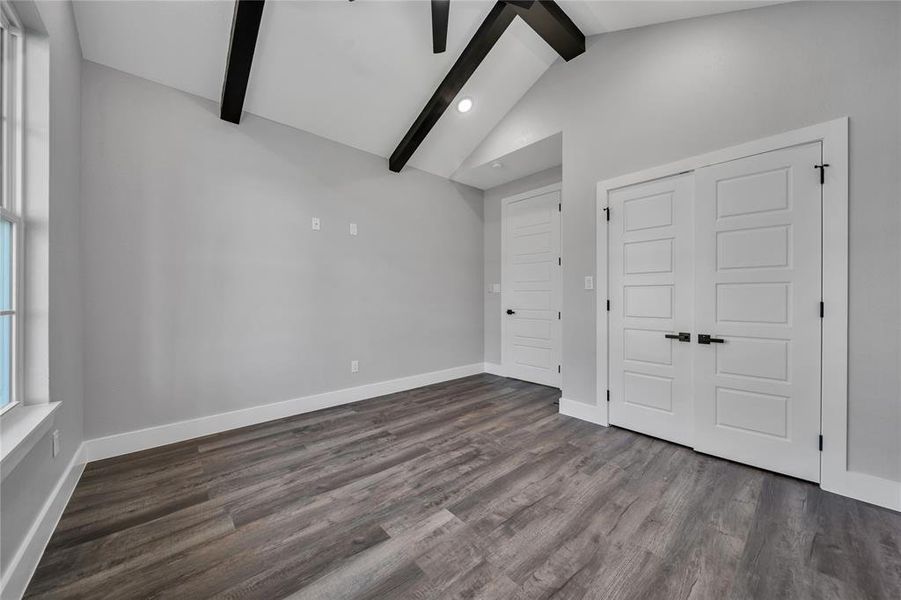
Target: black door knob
x=681, y=336
x=510, y=311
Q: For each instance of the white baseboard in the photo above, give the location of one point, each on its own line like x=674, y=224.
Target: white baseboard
x=860, y=486
x=586, y=412
x=852, y=484
x=152, y=437
x=22, y=566
x=495, y=369
x=866, y=488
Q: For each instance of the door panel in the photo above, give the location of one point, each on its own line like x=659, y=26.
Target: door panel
x=758, y=288
x=532, y=289
x=650, y=278
x=648, y=301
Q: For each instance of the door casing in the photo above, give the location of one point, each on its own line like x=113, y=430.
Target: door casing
x=554, y=187
x=835, y=475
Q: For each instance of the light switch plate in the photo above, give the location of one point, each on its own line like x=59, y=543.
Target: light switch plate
x=316, y=225
x=589, y=282
x=354, y=366
x=353, y=229
x=495, y=288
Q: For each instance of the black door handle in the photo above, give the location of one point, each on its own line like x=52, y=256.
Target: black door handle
x=510, y=311
x=704, y=338
x=682, y=336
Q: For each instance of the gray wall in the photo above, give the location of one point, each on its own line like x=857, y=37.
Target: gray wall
x=206, y=289
x=30, y=484
x=492, y=244
x=649, y=96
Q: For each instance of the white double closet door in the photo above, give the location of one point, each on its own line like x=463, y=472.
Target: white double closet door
x=732, y=252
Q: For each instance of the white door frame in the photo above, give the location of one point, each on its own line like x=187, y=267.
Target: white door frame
x=835, y=475
x=505, y=202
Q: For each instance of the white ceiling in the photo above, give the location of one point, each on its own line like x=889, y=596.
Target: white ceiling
x=524, y=161
x=600, y=16
x=354, y=72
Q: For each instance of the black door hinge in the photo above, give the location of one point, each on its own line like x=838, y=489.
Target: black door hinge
x=608, y=305
x=608, y=395
x=607, y=210
x=560, y=261
x=821, y=443
x=822, y=309
x=559, y=315
x=559, y=207
x=558, y=368
x=822, y=168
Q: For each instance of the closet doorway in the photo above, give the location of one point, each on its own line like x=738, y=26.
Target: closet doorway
x=714, y=320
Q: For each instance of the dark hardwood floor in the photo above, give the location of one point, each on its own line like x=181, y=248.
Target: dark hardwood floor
x=474, y=488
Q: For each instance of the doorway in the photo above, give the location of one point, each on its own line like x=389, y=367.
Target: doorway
x=715, y=322
x=531, y=286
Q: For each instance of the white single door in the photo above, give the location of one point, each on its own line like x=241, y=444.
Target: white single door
x=532, y=288
x=650, y=281
x=758, y=292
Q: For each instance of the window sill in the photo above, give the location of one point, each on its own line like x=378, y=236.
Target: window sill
x=20, y=429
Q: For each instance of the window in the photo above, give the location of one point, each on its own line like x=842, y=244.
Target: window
x=11, y=223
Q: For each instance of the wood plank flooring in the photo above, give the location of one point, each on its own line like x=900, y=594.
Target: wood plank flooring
x=474, y=488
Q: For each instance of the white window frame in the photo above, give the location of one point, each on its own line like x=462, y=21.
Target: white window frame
x=11, y=206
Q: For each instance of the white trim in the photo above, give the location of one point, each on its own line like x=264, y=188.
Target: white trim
x=833, y=130
x=495, y=369
x=865, y=487
x=602, y=296
x=835, y=475
x=15, y=579
x=10, y=215
x=553, y=187
x=586, y=412
x=13, y=171
x=152, y=437
x=21, y=430
x=505, y=202
x=23, y=564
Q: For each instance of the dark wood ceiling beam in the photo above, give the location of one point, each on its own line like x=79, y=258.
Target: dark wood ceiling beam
x=440, y=14
x=553, y=25
x=545, y=17
x=489, y=32
x=245, y=28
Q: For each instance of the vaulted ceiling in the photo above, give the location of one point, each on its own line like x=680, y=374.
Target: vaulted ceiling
x=355, y=72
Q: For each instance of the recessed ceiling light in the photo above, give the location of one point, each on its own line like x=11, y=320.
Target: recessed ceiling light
x=464, y=105
x=496, y=165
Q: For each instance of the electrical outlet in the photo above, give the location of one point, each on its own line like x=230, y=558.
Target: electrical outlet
x=55, y=437
x=589, y=282
x=353, y=229
x=316, y=225
x=354, y=366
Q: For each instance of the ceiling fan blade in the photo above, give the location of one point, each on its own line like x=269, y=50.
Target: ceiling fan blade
x=440, y=12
